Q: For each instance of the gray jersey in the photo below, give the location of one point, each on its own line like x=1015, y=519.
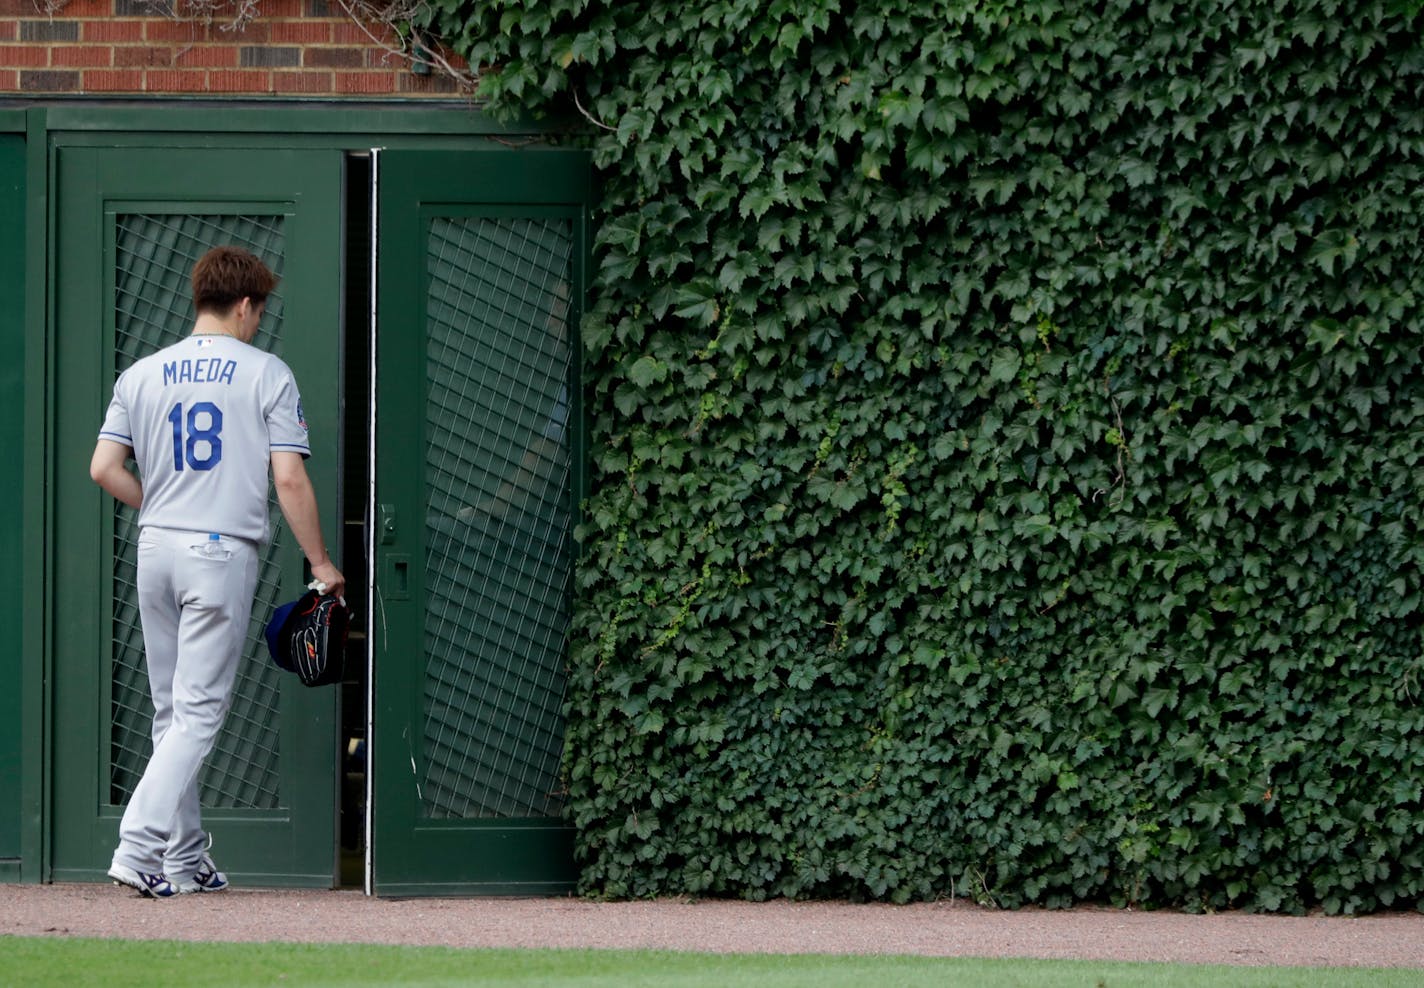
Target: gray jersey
x=203, y=417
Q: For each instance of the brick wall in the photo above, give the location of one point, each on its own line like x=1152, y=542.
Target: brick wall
x=112, y=47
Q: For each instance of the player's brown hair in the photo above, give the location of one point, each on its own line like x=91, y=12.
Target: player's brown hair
x=226, y=275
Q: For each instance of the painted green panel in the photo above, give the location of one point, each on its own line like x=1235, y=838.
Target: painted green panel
x=12, y=484
x=479, y=284
x=130, y=223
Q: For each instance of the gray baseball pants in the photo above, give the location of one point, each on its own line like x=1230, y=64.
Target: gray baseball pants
x=194, y=604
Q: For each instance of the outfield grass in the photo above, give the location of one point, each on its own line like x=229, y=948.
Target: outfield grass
x=27, y=961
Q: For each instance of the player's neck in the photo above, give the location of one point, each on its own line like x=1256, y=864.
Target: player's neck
x=211, y=325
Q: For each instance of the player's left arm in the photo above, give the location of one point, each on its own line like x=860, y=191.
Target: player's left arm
x=107, y=469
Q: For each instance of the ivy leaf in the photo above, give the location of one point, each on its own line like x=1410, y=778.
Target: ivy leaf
x=646, y=371
x=1333, y=246
x=697, y=302
x=1005, y=365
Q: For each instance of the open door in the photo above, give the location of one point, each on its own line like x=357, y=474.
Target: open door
x=130, y=224
x=479, y=282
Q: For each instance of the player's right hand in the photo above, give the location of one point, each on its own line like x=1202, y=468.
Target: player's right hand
x=334, y=584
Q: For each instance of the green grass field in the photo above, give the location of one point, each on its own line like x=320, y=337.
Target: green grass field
x=30, y=961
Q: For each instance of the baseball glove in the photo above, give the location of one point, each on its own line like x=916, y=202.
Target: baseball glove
x=308, y=637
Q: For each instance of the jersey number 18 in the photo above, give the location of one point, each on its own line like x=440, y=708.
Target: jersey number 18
x=187, y=450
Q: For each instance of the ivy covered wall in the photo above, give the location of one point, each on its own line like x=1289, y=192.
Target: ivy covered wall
x=1007, y=424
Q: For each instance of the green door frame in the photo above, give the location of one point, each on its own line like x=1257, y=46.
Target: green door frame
x=23, y=331
x=17, y=804
x=45, y=126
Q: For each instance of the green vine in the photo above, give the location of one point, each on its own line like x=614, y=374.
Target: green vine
x=1006, y=423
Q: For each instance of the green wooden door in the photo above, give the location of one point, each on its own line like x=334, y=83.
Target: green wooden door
x=130, y=223
x=479, y=282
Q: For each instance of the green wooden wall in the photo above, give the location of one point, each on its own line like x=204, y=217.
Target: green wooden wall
x=34, y=622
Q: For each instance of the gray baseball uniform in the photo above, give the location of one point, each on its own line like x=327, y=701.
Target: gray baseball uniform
x=202, y=417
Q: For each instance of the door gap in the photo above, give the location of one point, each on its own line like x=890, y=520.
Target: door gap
x=355, y=484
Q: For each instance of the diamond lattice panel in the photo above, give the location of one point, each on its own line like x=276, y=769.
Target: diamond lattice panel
x=153, y=303
x=497, y=472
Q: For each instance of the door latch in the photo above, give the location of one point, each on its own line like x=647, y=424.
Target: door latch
x=386, y=520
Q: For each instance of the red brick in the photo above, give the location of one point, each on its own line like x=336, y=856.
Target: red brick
x=252, y=33
x=208, y=57
x=302, y=82
x=334, y=58
x=17, y=8
x=49, y=31
x=269, y=57
x=81, y=56
x=304, y=32
x=230, y=81
x=9, y=80
x=9, y=30
x=48, y=81
x=87, y=8
x=346, y=33
x=277, y=9
x=434, y=84
x=113, y=81
x=111, y=30
x=24, y=56
x=143, y=56
x=365, y=82
x=183, y=32
x=174, y=81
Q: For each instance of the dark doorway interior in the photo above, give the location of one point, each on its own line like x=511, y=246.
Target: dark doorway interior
x=356, y=478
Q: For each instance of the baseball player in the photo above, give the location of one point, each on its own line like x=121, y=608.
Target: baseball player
x=204, y=419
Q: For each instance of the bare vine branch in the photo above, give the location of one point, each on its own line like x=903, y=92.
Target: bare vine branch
x=415, y=48
x=234, y=15
x=588, y=116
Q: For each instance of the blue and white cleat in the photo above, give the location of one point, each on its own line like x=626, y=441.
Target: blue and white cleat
x=207, y=878
x=148, y=885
